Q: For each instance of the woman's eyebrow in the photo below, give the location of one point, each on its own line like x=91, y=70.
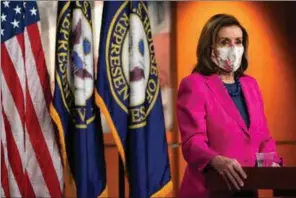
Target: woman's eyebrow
x=222, y=38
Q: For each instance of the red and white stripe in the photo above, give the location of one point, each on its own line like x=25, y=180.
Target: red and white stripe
x=30, y=160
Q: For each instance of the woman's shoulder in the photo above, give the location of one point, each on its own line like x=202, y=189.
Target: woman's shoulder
x=194, y=81
x=193, y=84
x=249, y=79
x=194, y=78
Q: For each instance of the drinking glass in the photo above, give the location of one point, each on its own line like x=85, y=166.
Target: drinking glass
x=266, y=159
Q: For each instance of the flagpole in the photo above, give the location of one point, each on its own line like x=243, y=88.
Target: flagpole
x=121, y=181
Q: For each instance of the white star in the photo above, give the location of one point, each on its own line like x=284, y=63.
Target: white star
x=3, y=17
x=33, y=11
x=6, y=4
x=15, y=23
x=2, y=32
x=17, y=10
x=24, y=4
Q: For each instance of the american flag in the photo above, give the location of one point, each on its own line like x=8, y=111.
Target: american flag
x=30, y=160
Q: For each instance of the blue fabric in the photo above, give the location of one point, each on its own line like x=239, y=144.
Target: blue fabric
x=13, y=22
x=140, y=127
x=240, y=102
x=80, y=119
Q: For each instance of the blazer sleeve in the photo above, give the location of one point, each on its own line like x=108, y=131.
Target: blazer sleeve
x=192, y=124
x=268, y=143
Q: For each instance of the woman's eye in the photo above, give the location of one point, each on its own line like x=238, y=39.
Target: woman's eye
x=224, y=42
x=239, y=42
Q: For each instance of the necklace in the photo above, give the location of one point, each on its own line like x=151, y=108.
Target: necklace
x=236, y=91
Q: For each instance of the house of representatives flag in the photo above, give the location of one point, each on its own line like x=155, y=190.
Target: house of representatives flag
x=30, y=159
x=128, y=93
x=74, y=111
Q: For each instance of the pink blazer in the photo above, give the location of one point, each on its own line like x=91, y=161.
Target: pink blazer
x=210, y=124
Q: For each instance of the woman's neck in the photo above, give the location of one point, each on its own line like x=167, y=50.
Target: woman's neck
x=227, y=78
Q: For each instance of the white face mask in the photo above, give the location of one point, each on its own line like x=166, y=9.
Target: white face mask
x=228, y=58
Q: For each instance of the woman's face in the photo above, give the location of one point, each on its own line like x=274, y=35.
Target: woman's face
x=229, y=36
x=228, y=50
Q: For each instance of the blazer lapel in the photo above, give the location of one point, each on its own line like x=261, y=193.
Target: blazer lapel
x=247, y=92
x=216, y=86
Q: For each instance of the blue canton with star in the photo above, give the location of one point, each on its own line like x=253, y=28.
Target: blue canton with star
x=15, y=15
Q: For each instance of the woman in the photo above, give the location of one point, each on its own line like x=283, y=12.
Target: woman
x=220, y=110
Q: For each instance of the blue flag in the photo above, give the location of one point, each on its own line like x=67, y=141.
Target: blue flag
x=74, y=111
x=128, y=93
